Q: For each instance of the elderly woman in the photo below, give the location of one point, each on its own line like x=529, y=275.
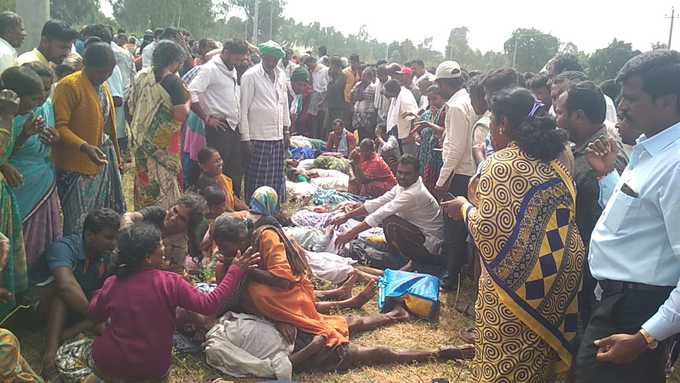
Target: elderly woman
x=87, y=155
x=280, y=290
x=159, y=106
x=523, y=223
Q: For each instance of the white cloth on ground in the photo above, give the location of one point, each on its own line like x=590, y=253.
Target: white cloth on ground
x=329, y=266
x=331, y=179
x=242, y=345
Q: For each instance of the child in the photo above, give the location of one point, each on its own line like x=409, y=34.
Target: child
x=139, y=304
x=211, y=164
x=340, y=139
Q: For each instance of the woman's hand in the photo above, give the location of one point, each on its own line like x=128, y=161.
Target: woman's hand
x=247, y=261
x=12, y=175
x=339, y=220
x=34, y=126
x=94, y=154
x=49, y=136
x=452, y=208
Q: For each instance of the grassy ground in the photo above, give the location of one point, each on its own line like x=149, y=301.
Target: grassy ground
x=411, y=335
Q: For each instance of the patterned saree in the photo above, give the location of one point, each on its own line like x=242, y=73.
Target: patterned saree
x=532, y=257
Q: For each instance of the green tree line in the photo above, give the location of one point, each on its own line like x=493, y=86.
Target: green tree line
x=527, y=49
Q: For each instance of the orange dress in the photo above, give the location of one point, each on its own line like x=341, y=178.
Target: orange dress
x=228, y=187
x=294, y=306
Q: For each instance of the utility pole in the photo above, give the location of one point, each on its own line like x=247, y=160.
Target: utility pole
x=256, y=15
x=514, y=54
x=670, y=32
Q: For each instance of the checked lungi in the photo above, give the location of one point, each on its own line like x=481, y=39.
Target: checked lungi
x=266, y=168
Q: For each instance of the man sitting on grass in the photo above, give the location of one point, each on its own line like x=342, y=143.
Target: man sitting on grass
x=78, y=265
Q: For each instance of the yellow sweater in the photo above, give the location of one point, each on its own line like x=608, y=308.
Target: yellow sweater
x=79, y=120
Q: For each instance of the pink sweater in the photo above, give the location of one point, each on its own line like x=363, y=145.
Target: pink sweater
x=137, y=341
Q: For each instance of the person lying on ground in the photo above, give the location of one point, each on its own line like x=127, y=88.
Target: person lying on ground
x=177, y=225
x=139, y=302
x=372, y=176
x=280, y=291
x=211, y=165
x=410, y=216
x=72, y=269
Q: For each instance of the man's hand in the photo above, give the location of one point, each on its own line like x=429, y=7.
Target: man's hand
x=601, y=155
x=94, y=154
x=215, y=123
x=452, y=208
x=620, y=348
x=343, y=239
x=339, y=220
x=12, y=175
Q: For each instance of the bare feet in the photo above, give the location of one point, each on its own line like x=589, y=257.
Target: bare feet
x=467, y=335
x=398, y=314
x=345, y=291
x=363, y=297
x=49, y=366
x=465, y=352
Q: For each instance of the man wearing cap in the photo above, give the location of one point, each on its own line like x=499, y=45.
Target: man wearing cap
x=215, y=100
x=458, y=165
x=265, y=120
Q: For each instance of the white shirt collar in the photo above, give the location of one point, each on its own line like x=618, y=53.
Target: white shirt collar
x=8, y=46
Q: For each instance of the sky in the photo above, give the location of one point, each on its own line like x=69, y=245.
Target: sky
x=590, y=24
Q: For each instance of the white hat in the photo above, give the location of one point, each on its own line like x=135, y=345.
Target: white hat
x=449, y=69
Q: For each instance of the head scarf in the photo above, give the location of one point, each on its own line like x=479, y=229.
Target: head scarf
x=300, y=74
x=270, y=48
x=264, y=201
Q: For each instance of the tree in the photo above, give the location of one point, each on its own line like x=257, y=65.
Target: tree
x=605, y=63
x=530, y=49
x=198, y=16
x=270, y=17
x=8, y=5
x=76, y=12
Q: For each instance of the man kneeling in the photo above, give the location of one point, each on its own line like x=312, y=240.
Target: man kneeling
x=411, y=218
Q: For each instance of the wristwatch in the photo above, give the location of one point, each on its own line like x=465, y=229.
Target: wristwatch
x=651, y=342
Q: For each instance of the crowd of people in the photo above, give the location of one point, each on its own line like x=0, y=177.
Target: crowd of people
x=555, y=195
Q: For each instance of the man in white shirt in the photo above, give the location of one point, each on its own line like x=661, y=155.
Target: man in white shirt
x=215, y=98
x=381, y=102
x=265, y=120
x=401, y=116
x=459, y=165
x=147, y=52
x=317, y=102
x=288, y=66
x=410, y=216
x=12, y=34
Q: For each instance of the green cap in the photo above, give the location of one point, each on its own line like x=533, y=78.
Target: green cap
x=270, y=48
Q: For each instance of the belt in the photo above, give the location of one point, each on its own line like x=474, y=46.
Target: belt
x=619, y=287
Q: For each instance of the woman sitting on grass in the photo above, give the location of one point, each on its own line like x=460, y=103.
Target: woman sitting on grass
x=139, y=304
x=281, y=291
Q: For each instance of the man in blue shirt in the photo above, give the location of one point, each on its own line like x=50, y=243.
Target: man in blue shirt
x=78, y=265
x=635, y=245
